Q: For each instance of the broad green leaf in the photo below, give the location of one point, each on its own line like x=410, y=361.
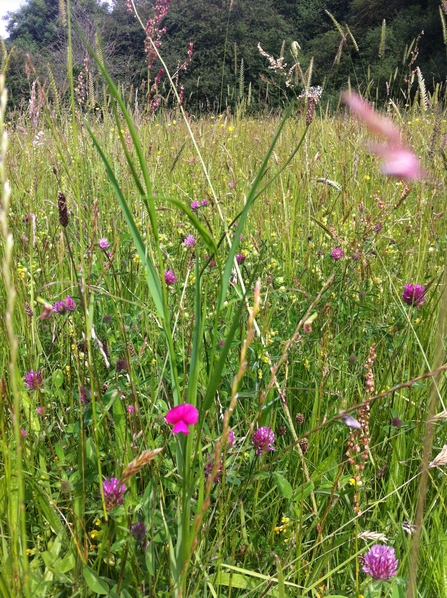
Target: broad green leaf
x=94, y=582
x=284, y=488
x=57, y=378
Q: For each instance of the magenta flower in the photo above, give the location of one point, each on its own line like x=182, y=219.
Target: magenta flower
x=204, y=203
x=263, y=440
x=182, y=416
x=33, y=380
x=240, y=258
x=231, y=439
x=381, y=562
x=337, y=253
x=69, y=303
x=60, y=308
x=189, y=241
x=195, y=205
x=414, y=295
x=170, y=277
x=103, y=243
x=398, y=160
x=113, y=492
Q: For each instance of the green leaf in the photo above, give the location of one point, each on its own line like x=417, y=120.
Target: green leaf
x=57, y=378
x=94, y=582
x=284, y=488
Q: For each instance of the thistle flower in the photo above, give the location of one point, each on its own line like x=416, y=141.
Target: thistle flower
x=413, y=294
x=195, y=205
x=113, y=492
x=381, y=562
x=103, y=243
x=33, y=380
x=182, y=416
x=263, y=440
x=170, y=277
x=337, y=253
x=189, y=241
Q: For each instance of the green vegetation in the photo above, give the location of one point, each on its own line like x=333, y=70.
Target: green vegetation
x=368, y=42
x=260, y=270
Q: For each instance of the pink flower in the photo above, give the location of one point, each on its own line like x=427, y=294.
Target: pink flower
x=398, y=160
x=182, y=416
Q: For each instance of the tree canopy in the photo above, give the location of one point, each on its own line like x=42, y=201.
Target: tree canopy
x=366, y=41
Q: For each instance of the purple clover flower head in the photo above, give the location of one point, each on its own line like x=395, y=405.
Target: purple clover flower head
x=263, y=440
x=170, y=277
x=240, y=258
x=60, y=308
x=33, y=380
x=337, y=253
x=84, y=394
x=204, y=203
x=195, y=205
x=40, y=410
x=113, y=492
x=209, y=468
x=139, y=531
x=414, y=295
x=381, y=562
x=378, y=228
x=230, y=439
x=23, y=433
x=70, y=305
x=190, y=241
x=103, y=243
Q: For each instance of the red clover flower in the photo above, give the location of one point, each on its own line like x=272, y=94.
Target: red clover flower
x=170, y=277
x=381, y=562
x=414, y=295
x=263, y=440
x=33, y=380
x=195, y=205
x=189, y=241
x=103, y=243
x=113, y=492
x=337, y=253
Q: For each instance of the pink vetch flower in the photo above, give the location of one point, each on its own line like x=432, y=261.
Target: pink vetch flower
x=337, y=253
x=182, y=416
x=398, y=160
x=170, y=277
x=33, y=380
x=381, y=562
x=103, y=243
x=263, y=440
x=190, y=241
x=413, y=294
x=113, y=492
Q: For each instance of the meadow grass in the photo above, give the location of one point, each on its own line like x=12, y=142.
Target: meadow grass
x=293, y=521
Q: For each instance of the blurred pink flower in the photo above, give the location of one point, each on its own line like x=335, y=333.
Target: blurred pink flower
x=398, y=160
x=182, y=416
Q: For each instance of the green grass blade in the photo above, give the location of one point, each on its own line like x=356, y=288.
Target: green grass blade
x=250, y=199
x=153, y=281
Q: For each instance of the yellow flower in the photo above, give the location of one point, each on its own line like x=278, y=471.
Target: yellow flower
x=231, y=128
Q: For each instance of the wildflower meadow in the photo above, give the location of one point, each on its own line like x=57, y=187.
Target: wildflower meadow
x=223, y=348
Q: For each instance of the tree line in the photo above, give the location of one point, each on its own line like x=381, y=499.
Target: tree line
x=219, y=50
